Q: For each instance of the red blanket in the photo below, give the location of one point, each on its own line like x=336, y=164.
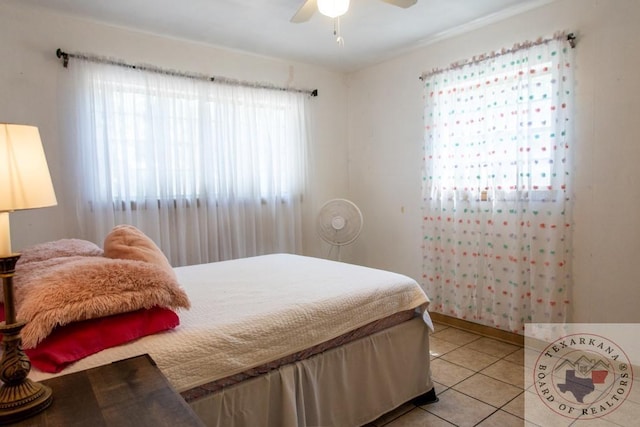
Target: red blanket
x=72, y=342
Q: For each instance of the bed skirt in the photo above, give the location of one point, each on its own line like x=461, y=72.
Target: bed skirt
x=349, y=385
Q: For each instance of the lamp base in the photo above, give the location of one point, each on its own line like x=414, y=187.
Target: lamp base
x=19, y=396
x=23, y=400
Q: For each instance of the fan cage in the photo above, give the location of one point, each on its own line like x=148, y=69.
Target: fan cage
x=339, y=222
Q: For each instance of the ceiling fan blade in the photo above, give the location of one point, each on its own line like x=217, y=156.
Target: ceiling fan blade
x=305, y=12
x=401, y=3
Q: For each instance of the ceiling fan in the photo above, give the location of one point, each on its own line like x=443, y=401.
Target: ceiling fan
x=335, y=8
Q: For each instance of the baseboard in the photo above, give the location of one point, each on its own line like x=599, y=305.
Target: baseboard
x=479, y=329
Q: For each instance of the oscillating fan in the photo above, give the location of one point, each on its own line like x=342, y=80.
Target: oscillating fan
x=339, y=223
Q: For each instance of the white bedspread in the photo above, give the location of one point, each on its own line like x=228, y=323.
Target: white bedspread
x=251, y=311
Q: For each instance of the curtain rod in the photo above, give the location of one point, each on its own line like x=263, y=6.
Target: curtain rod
x=224, y=80
x=571, y=39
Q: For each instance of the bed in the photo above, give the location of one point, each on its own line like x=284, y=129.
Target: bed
x=288, y=340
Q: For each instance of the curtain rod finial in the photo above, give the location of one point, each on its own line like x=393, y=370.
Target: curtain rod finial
x=64, y=56
x=571, y=38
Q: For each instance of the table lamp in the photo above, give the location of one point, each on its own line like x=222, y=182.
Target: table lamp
x=25, y=183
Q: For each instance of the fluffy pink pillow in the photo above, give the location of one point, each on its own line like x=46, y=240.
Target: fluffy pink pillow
x=58, y=292
x=127, y=242
x=59, y=248
x=53, y=253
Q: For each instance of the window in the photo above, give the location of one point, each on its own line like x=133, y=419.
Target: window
x=493, y=132
x=193, y=139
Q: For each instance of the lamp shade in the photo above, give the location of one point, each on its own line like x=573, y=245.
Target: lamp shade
x=25, y=182
x=333, y=8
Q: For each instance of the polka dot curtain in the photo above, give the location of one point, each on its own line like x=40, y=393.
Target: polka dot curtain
x=496, y=187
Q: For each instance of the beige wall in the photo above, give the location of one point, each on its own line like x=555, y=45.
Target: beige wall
x=29, y=72
x=367, y=131
x=385, y=137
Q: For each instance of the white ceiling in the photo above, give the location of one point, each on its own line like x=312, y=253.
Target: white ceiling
x=373, y=30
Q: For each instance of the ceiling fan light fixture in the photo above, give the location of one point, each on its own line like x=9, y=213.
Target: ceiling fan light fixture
x=333, y=8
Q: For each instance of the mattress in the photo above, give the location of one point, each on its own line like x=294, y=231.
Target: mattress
x=249, y=312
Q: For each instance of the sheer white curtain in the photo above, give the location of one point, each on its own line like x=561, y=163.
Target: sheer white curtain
x=209, y=171
x=496, y=188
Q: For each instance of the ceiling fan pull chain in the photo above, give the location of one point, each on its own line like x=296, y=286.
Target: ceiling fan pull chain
x=337, y=33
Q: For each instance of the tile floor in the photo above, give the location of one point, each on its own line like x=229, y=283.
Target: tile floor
x=480, y=382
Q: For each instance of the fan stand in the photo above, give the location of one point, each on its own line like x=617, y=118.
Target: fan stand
x=338, y=252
